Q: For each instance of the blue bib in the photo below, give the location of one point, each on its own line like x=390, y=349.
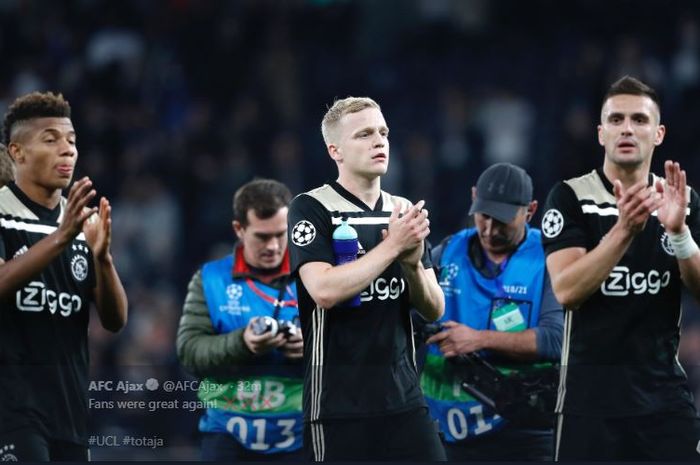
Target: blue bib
x=261, y=407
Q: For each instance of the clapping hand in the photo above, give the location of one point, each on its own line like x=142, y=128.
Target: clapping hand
x=673, y=199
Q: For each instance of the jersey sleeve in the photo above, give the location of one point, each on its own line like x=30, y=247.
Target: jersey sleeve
x=426, y=259
x=310, y=232
x=693, y=219
x=562, y=222
x=92, y=274
x=2, y=248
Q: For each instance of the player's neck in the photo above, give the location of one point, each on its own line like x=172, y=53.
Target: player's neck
x=45, y=197
x=628, y=175
x=367, y=190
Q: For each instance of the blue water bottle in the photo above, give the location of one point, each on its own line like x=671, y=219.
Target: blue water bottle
x=345, y=248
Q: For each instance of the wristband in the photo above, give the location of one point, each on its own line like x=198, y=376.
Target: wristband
x=683, y=244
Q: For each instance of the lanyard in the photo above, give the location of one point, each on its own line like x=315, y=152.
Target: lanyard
x=497, y=270
x=278, y=302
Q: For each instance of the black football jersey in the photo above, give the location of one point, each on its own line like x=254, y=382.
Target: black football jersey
x=620, y=348
x=43, y=326
x=359, y=362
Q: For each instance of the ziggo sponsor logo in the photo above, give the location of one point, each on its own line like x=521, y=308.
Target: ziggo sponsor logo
x=622, y=282
x=36, y=297
x=384, y=289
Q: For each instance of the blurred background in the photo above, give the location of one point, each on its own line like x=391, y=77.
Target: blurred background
x=179, y=102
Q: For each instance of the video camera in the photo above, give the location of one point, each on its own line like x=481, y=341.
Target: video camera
x=264, y=324
x=525, y=398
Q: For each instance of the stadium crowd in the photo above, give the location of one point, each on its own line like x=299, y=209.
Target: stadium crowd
x=177, y=103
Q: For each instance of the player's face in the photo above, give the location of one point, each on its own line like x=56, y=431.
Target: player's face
x=45, y=152
x=363, y=143
x=497, y=237
x=264, y=241
x=630, y=129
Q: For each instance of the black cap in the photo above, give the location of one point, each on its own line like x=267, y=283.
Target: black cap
x=501, y=190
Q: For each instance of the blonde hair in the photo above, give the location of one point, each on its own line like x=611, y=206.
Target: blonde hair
x=341, y=108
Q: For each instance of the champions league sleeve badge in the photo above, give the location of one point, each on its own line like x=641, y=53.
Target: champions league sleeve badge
x=552, y=223
x=303, y=233
x=79, y=264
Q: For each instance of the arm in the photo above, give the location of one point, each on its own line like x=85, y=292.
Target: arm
x=426, y=295
x=540, y=343
x=199, y=348
x=459, y=339
x=329, y=285
x=577, y=274
x=550, y=326
x=690, y=274
x=16, y=272
x=110, y=297
x=672, y=216
x=425, y=292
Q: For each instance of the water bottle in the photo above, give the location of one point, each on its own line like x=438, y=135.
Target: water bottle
x=345, y=247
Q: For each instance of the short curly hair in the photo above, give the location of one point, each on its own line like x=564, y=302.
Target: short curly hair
x=264, y=196
x=7, y=167
x=34, y=105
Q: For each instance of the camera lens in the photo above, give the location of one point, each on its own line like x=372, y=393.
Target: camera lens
x=288, y=328
x=264, y=324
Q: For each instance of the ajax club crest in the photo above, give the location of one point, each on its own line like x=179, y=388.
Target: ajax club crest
x=79, y=264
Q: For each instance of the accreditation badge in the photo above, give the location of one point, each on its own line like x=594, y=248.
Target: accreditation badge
x=509, y=315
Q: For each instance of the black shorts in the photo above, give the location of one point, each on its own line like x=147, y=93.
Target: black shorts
x=408, y=436
x=222, y=447
x=657, y=437
x=27, y=445
x=509, y=444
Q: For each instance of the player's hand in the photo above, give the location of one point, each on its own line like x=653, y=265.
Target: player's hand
x=456, y=339
x=673, y=200
x=635, y=205
x=76, y=210
x=293, y=347
x=98, y=231
x=408, y=232
x=262, y=343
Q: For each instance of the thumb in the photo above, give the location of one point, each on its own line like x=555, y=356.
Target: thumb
x=395, y=213
x=385, y=233
x=617, y=189
x=659, y=186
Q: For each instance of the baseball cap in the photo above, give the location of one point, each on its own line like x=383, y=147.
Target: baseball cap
x=501, y=190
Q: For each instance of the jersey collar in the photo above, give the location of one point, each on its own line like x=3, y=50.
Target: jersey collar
x=609, y=186
x=43, y=213
x=350, y=197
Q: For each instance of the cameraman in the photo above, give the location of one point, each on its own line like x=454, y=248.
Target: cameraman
x=498, y=300
x=251, y=372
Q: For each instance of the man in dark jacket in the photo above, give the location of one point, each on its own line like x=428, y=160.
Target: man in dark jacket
x=238, y=334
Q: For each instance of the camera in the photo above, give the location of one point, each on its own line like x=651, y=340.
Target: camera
x=423, y=332
x=264, y=324
x=526, y=397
